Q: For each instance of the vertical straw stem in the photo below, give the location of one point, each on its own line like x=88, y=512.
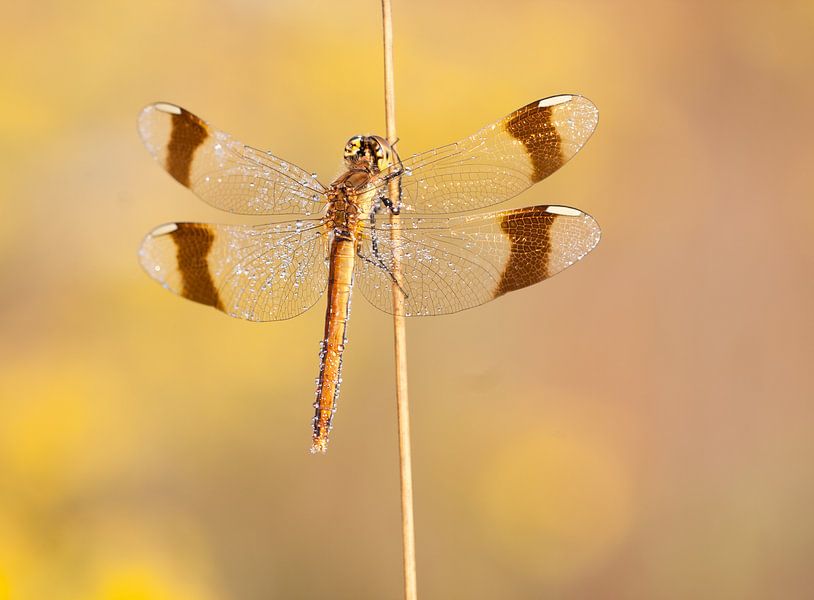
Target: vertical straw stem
x=399, y=334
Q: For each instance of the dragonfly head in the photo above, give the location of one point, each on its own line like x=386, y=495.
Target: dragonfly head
x=369, y=152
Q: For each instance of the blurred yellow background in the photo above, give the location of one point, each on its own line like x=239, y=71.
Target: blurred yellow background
x=638, y=427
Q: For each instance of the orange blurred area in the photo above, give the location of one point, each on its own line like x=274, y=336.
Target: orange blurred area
x=638, y=427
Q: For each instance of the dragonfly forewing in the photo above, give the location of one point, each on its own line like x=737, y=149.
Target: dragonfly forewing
x=499, y=161
x=224, y=172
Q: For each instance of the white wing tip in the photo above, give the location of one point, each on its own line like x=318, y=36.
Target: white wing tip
x=555, y=100
x=565, y=211
x=166, y=107
x=164, y=229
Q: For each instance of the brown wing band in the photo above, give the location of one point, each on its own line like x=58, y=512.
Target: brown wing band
x=188, y=132
x=534, y=127
x=528, y=233
x=193, y=242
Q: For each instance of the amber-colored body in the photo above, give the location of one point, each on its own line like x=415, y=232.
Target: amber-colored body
x=349, y=197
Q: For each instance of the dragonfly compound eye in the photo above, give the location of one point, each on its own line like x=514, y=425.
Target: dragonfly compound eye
x=355, y=149
x=380, y=153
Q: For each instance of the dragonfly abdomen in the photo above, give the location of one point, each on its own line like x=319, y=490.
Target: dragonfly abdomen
x=340, y=283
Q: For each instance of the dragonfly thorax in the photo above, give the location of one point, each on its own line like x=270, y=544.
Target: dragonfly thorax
x=370, y=152
x=342, y=214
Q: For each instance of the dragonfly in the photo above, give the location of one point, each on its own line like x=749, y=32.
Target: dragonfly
x=423, y=239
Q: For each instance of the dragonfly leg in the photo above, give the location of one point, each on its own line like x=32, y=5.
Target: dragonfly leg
x=377, y=260
x=394, y=208
x=380, y=264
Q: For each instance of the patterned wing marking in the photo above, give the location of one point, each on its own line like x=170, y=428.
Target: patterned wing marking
x=221, y=170
x=449, y=264
x=257, y=273
x=500, y=161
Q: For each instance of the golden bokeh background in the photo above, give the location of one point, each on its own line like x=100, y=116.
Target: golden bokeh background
x=639, y=427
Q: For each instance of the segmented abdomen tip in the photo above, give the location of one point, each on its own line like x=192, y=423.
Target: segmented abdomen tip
x=319, y=446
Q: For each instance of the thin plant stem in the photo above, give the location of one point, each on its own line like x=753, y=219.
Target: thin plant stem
x=399, y=334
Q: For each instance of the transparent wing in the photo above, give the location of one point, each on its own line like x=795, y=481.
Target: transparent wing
x=258, y=273
x=499, y=161
x=450, y=264
x=221, y=170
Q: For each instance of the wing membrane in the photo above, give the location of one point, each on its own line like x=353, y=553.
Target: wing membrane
x=221, y=170
x=259, y=273
x=499, y=161
x=449, y=264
